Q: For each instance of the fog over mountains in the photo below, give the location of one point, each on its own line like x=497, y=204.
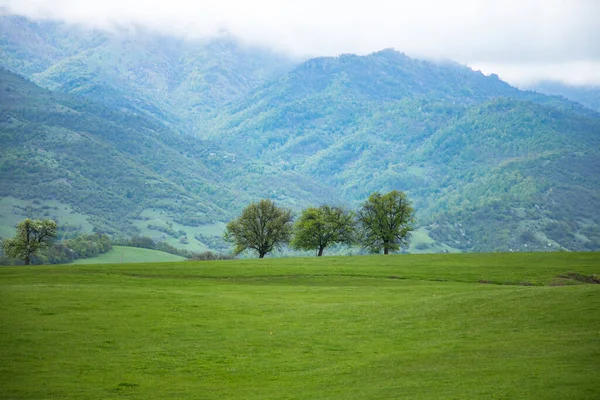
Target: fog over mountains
x=139, y=133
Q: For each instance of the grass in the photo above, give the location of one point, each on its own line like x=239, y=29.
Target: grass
x=124, y=254
x=414, y=327
x=422, y=243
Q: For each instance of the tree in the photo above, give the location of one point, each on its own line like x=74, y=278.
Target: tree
x=32, y=235
x=262, y=227
x=321, y=227
x=385, y=221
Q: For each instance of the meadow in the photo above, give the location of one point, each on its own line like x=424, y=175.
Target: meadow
x=125, y=254
x=452, y=326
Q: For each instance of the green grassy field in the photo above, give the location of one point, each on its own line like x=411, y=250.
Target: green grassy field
x=466, y=326
x=124, y=254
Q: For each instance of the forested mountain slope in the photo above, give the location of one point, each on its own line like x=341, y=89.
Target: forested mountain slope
x=111, y=165
x=174, y=80
x=589, y=96
x=488, y=166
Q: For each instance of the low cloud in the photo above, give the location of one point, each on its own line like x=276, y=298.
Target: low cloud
x=512, y=38
x=576, y=73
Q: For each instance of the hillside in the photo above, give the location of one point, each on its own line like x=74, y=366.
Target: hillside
x=121, y=170
x=173, y=80
x=488, y=166
x=589, y=96
x=128, y=255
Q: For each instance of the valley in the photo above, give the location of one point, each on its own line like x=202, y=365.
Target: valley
x=135, y=133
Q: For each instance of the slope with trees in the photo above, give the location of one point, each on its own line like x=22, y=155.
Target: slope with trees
x=111, y=164
x=169, y=79
x=474, y=154
x=588, y=95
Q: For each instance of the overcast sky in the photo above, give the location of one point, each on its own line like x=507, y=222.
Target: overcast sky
x=520, y=40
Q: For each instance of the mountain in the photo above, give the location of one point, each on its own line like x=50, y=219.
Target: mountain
x=486, y=164
x=141, y=133
x=589, y=96
x=124, y=171
x=174, y=80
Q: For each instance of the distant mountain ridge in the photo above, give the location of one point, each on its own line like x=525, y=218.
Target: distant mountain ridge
x=173, y=79
x=589, y=95
x=488, y=166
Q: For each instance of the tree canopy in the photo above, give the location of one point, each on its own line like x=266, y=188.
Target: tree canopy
x=32, y=235
x=385, y=221
x=321, y=227
x=262, y=227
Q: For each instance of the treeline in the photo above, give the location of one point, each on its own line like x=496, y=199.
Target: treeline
x=384, y=222
x=84, y=246
x=146, y=242
x=92, y=245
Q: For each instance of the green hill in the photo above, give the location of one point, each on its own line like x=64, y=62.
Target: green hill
x=110, y=165
x=123, y=254
x=474, y=326
x=122, y=170
x=170, y=79
x=488, y=166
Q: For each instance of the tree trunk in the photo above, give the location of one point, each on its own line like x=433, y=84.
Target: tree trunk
x=261, y=254
x=320, y=252
x=26, y=260
x=386, y=250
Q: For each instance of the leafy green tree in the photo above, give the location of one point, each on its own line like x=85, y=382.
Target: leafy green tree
x=32, y=235
x=262, y=227
x=385, y=221
x=321, y=227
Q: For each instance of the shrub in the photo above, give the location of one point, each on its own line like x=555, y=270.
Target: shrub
x=209, y=255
